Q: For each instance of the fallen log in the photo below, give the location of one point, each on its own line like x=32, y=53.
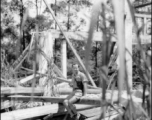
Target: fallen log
x=38, y=111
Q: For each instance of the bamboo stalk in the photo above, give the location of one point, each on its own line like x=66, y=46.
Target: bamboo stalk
x=119, y=19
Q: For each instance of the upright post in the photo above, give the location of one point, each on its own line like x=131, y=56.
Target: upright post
x=64, y=58
x=128, y=43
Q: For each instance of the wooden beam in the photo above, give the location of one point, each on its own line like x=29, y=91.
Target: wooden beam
x=70, y=45
x=37, y=98
x=142, y=15
x=62, y=91
x=38, y=111
x=80, y=35
x=65, y=91
x=84, y=100
x=20, y=90
x=89, y=99
x=39, y=91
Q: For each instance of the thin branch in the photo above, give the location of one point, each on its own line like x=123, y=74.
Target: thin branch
x=143, y=5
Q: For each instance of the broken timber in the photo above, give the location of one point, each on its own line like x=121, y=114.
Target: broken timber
x=38, y=111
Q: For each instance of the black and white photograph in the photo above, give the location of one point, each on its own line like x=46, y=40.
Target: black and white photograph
x=76, y=60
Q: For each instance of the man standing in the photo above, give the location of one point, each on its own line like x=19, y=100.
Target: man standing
x=79, y=84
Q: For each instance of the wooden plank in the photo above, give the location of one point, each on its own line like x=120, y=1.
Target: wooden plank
x=89, y=99
x=65, y=91
x=20, y=90
x=39, y=91
x=80, y=35
x=37, y=98
x=38, y=111
x=142, y=15
x=62, y=91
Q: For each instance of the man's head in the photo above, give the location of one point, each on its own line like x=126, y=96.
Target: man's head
x=75, y=68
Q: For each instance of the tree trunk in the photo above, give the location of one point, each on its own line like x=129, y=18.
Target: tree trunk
x=46, y=43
